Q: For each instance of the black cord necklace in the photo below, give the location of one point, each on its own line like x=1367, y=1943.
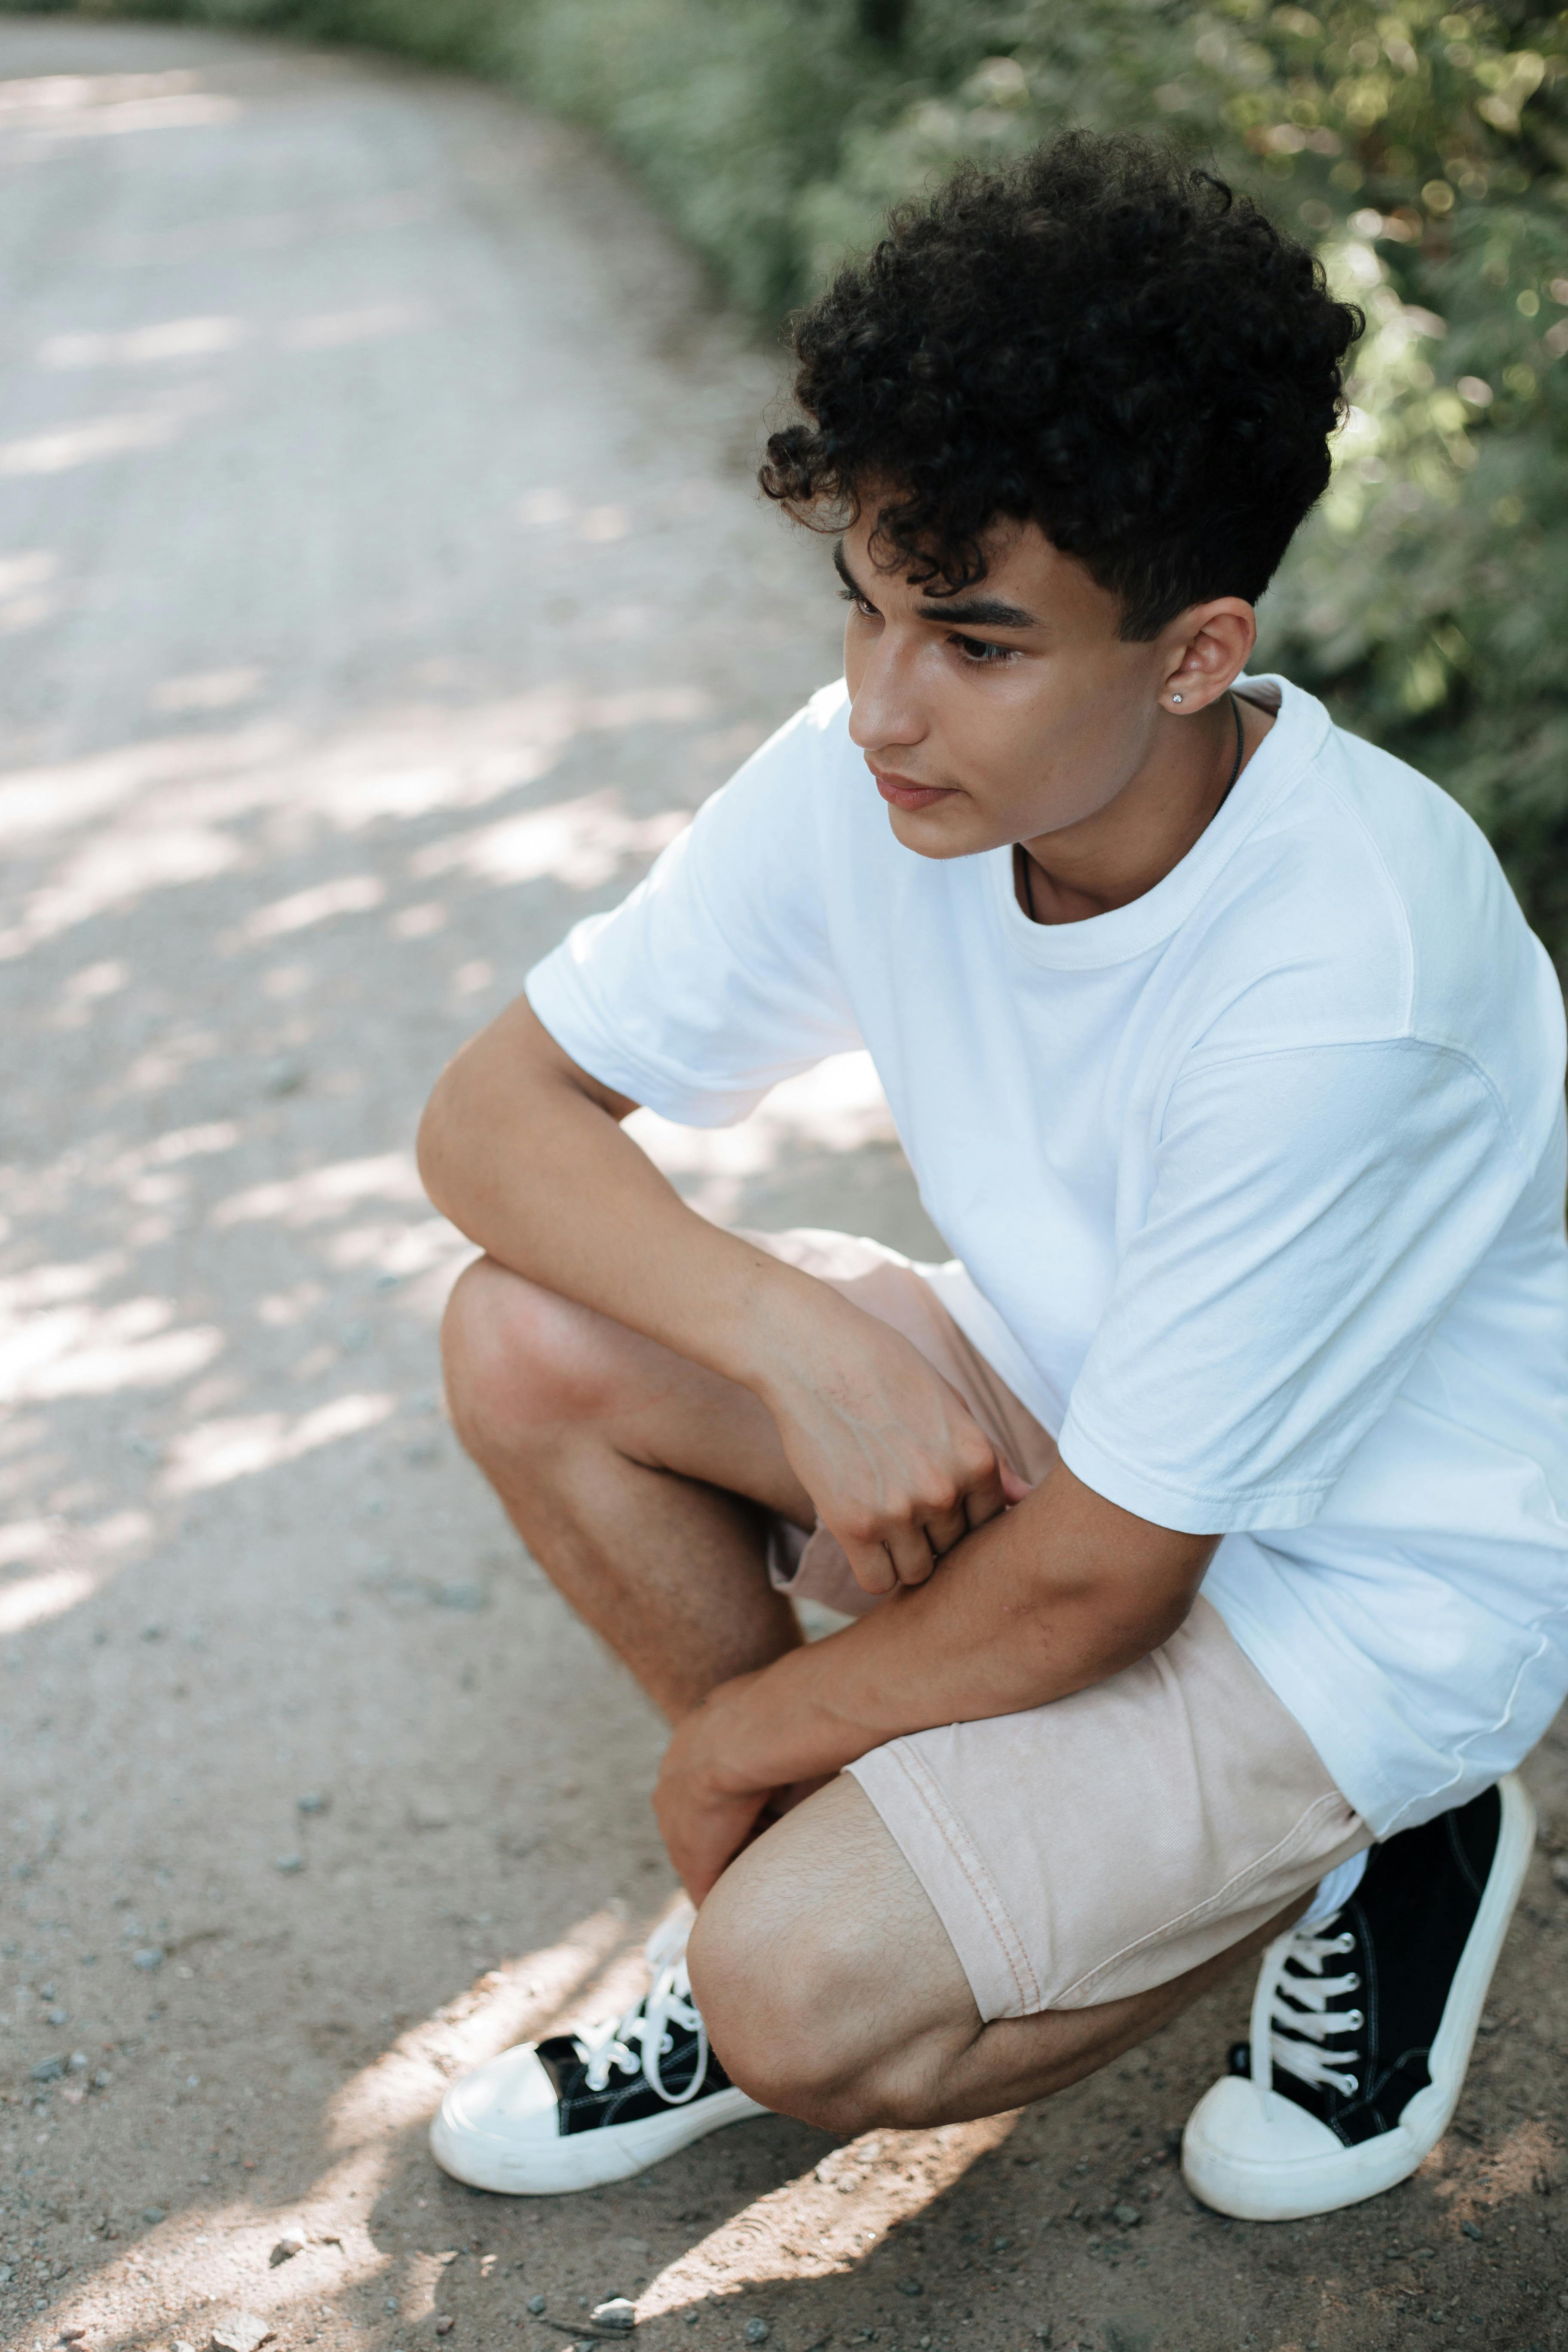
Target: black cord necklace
x=1230, y=786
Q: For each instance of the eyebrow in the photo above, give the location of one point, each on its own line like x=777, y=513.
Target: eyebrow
x=969, y=612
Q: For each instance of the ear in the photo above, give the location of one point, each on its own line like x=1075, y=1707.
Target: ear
x=1204, y=652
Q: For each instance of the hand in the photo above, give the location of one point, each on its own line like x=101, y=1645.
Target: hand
x=893, y=1460
x=704, y=1815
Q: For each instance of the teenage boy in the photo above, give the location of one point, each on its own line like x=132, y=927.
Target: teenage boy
x=1203, y=1519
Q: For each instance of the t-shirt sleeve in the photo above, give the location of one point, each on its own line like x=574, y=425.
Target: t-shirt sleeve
x=715, y=979
x=1313, y=1212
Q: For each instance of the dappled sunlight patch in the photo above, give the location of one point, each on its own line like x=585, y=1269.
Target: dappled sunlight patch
x=322, y=1193
x=330, y=329
x=1469, y=2180
x=85, y=441
x=42, y=802
x=514, y=2004
x=171, y=339
x=88, y=106
x=218, y=1451
x=830, y=2219
x=402, y=1250
x=213, y=2262
x=49, y=1286
x=80, y=1351
x=215, y=2258
x=180, y=1143
x=350, y=894
x=29, y=589
x=25, y=1539
x=31, y=1599
x=580, y=843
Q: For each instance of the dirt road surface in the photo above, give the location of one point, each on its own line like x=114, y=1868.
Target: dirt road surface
x=380, y=586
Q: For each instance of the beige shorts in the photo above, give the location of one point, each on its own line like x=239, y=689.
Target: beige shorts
x=1109, y=1841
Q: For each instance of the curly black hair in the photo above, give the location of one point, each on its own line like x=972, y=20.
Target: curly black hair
x=1101, y=339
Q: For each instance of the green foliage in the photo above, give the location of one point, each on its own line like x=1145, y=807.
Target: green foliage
x=1422, y=149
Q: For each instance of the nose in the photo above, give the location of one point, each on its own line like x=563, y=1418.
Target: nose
x=885, y=709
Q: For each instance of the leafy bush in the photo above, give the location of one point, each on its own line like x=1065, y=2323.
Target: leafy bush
x=1422, y=149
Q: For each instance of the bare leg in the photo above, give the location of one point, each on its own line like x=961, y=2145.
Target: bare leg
x=633, y=1476
x=831, y=1991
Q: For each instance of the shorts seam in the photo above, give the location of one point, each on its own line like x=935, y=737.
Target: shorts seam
x=977, y=1877
x=1213, y=1905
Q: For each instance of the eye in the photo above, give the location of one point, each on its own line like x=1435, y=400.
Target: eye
x=867, y=611
x=979, y=655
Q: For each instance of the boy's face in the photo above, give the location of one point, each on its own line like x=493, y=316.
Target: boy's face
x=1016, y=708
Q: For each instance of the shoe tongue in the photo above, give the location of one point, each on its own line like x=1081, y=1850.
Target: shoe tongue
x=561, y=2055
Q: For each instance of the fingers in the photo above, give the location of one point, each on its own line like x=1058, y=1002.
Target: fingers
x=911, y=1550
x=905, y=1551
x=988, y=1499
x=872, y=1564
x=944, y=1529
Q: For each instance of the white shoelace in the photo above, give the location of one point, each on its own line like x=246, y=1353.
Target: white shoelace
x=647, y=2022
x=1305, y=2013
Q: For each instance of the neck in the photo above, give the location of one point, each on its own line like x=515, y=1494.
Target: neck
x=1125, y=848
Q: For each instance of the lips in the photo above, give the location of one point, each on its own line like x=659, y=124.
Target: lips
x=903, y=792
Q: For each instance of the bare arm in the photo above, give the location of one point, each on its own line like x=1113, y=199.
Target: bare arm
x=523, y=1150
x=1065, y=1591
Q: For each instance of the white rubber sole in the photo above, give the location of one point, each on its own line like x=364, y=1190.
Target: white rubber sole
x=590, y=2160
x=1227, y=2159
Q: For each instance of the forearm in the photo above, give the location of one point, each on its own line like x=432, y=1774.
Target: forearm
x=1026, y=1610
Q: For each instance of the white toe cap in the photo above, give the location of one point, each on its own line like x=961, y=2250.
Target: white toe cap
x=501, y=2114
x=1262, y=2159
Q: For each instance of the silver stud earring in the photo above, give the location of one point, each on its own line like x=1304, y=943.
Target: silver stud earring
x=1175, y=697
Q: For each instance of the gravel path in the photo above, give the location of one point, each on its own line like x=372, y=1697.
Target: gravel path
x=380, y=584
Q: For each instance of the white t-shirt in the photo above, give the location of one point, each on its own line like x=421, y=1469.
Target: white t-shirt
x=1256, y=1187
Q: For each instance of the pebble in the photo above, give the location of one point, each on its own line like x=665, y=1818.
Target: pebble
x=471, y=1597
x=289, y=1863
x=154, y=2214
x=57, y=2017
x=1472, y=2230
x=445, y=2323
x=293, y=2242
x=72, y=2335
x=311, y=1803
x=1560, y=1871
x=244, y=2331
x=284, y=1076
x=49, y=2070
x=150, y=1958
x=756, y=2331
x=910, y=2286
x=617, y=2314
x=536, y=2305
x=1126, y=2217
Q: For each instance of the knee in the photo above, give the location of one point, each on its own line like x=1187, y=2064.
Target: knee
x=517, y=1360
x=784, y=2013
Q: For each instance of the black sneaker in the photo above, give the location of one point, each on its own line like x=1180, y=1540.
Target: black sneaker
x=578, y=2110
x=1365, y=2023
